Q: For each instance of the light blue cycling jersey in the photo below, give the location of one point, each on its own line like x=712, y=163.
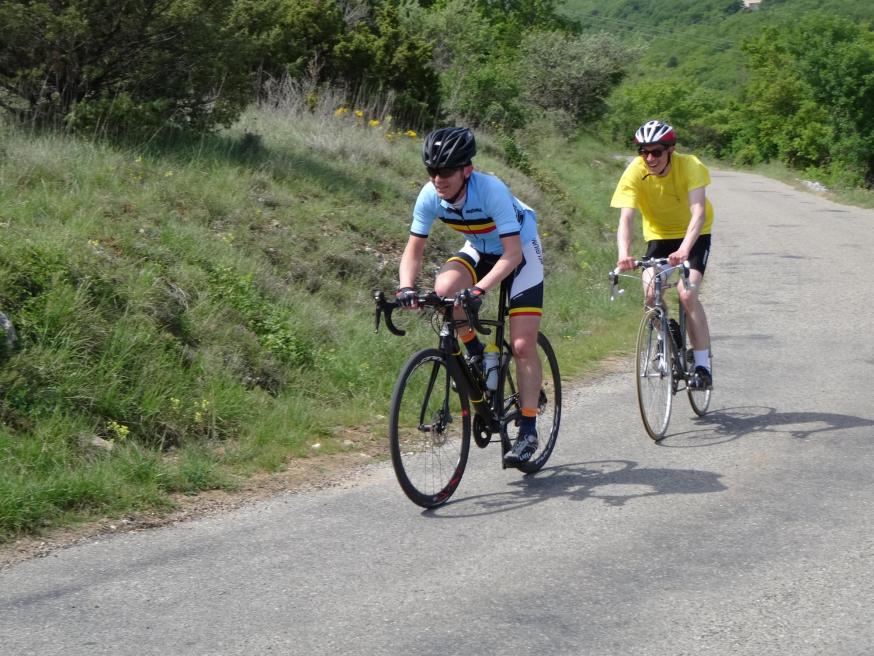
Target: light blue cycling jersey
x=490, y=212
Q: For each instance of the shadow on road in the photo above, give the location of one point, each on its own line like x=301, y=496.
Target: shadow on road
x=729, y=424
x=614, y=482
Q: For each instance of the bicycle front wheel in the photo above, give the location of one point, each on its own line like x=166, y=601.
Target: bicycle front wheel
x=699, y=399
x=549, y=404
x=655, y=375
x=429, y=429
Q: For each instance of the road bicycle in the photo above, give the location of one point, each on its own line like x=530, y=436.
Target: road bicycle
x=440, y=399
x=664, y=363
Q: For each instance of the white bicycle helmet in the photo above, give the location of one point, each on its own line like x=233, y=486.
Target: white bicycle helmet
x=655, y=132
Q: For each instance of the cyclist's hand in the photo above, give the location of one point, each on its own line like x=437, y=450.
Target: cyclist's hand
x=407, y=297
x=625, y=263
x=471, y=299
x=678, y=257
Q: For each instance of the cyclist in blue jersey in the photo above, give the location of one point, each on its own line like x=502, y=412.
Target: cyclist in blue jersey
x=500, y=240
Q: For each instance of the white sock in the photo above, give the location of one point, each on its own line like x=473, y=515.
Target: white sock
x=702, y=358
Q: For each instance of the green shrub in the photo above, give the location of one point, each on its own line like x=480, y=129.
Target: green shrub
x=89, y=65
x=572, y=73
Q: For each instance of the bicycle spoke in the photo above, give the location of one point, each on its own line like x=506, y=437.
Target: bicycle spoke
x=429, y=430
x=549, y=405
x=429, y=390
x=698, y=399
x=654, y=375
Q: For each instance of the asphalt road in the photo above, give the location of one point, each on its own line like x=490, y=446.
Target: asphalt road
x=746, y=532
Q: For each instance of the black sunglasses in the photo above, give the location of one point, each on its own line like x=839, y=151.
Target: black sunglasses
x=655, y=152
x=443, y=173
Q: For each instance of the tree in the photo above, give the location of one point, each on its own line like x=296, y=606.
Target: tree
x=572, y=73
x=810, y=96
x=381, y=56
x=132, y=65
x=287, y=36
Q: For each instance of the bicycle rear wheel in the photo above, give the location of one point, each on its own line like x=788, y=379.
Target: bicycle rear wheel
x=698, y=399
x=429, y=429
x=549, y=404
x=655, y=375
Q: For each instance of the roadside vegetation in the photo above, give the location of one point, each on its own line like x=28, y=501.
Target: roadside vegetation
x=189, y=241
x=192, y=312
x=792, y=82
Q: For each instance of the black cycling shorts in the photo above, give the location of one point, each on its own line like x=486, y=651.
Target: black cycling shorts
x=697, y=257
x=526, y=288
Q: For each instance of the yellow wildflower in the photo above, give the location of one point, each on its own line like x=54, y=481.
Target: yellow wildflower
x=119, y=430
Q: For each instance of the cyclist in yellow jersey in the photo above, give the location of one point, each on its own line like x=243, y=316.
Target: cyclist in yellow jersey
x=668, y=188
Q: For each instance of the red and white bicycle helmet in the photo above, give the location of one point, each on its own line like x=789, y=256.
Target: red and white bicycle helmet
x=655, y=132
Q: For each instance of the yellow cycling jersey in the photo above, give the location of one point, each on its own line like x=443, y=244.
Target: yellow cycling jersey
x=664, y=202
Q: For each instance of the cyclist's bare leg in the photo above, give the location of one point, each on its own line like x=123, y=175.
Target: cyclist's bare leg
x=696, y=318
x=523, y=339
x=451, y=279
x=648, y=289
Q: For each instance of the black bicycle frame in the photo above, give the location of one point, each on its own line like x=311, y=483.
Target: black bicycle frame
x=492, y=413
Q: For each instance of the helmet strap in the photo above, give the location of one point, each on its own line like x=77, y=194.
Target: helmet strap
x=667, y=165
x=461, y=192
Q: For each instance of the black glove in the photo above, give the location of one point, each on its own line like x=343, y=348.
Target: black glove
x=407, y=297
x=472, y=299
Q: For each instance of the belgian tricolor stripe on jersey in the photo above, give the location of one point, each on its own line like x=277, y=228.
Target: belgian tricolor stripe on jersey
x=526, y=311
x=471, y=226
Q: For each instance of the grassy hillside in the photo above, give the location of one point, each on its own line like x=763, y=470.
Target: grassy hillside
x=193, y=311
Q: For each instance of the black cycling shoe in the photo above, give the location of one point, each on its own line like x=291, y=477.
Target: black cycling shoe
x=701, y=379
x=526, y=445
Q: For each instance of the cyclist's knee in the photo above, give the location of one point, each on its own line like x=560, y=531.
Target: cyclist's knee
x=448, y=285
x=689, y=298
x=524, y=346
x=649, y=299
x=451, y=279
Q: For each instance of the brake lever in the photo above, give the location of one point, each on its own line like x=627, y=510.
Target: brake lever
x=686, y=271
x=473, y=319
x=379, y=299
x=386, y=307
x=614, y=285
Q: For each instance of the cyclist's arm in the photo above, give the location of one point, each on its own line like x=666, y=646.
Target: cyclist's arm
x=698, y=208
x=506, y=264
x=624, y=238
x=411, y=261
